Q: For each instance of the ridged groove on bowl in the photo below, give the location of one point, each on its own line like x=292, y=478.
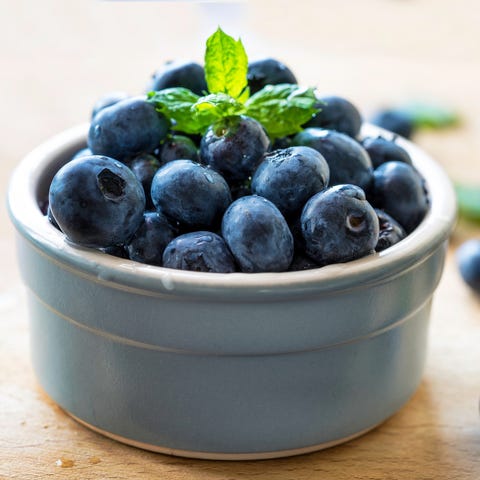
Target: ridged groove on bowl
x=218, y=326
x=227, y=403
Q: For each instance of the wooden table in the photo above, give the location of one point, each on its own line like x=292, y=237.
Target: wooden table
x=57, y=57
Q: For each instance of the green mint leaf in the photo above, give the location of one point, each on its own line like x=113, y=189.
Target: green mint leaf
x=226, y=66
x=209, y=109
x=282, y=109
x=468, y=198
x=176, y=104
x=193, y=114
x=427, y=115
x=219, y=105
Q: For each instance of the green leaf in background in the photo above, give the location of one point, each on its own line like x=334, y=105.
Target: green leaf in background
x=468, y=198
x=226, y=66
x=427, y=115
x=282, y=109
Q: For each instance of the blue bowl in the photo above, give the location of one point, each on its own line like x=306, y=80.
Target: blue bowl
x=226, y=366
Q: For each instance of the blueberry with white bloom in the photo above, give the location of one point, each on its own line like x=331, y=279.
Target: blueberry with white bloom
x=337, y=113
x=289, y=177
x=257, y=235
x=200, y=251
x=468, y=260
x=97, y=201
x=234, y=146
x=339, y=225
x=191, y=194
x=348, y=161
x=127, y=129
x=382, y=150
x=399, y=190
x=150, y=239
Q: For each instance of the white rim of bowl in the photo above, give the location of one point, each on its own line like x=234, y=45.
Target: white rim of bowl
x=34, y=226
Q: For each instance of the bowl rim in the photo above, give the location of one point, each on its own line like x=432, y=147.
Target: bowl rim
x=31, y=224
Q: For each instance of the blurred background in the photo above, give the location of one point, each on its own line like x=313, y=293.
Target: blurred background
x=58, y=57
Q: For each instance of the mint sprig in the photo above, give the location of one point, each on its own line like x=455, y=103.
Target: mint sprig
x=281, y=109
x=226, y=66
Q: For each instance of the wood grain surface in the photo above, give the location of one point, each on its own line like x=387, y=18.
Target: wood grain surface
x=58, y=57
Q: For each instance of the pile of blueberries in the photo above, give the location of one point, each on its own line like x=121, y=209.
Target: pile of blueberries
x=232, y=200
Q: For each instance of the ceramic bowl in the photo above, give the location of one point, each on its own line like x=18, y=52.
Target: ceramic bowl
x=225, y=366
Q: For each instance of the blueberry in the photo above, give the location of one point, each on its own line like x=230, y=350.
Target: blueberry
x=289, y=177
x=234, y=146
x=150, y=239
x=337, y=113
x=348, y=161
x=51, y=218
x=145, y=167
x=108, y=100
x=178, y=147
x=399, y=190
x=84, y=152
x=391, y=232
x=97, y=201
x=189, y=75
x=268, y=71
x=339, y=225
x=295, y=226
x=468, y=260
x=394, y=121
x=382, y=150
x=191, y=194
x=257, y=235
x=301, y=261
x=241, y=188
x=199, y=252
x=126, y=129
x=283, y=142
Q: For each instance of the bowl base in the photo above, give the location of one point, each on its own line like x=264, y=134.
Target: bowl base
x=219, y=455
